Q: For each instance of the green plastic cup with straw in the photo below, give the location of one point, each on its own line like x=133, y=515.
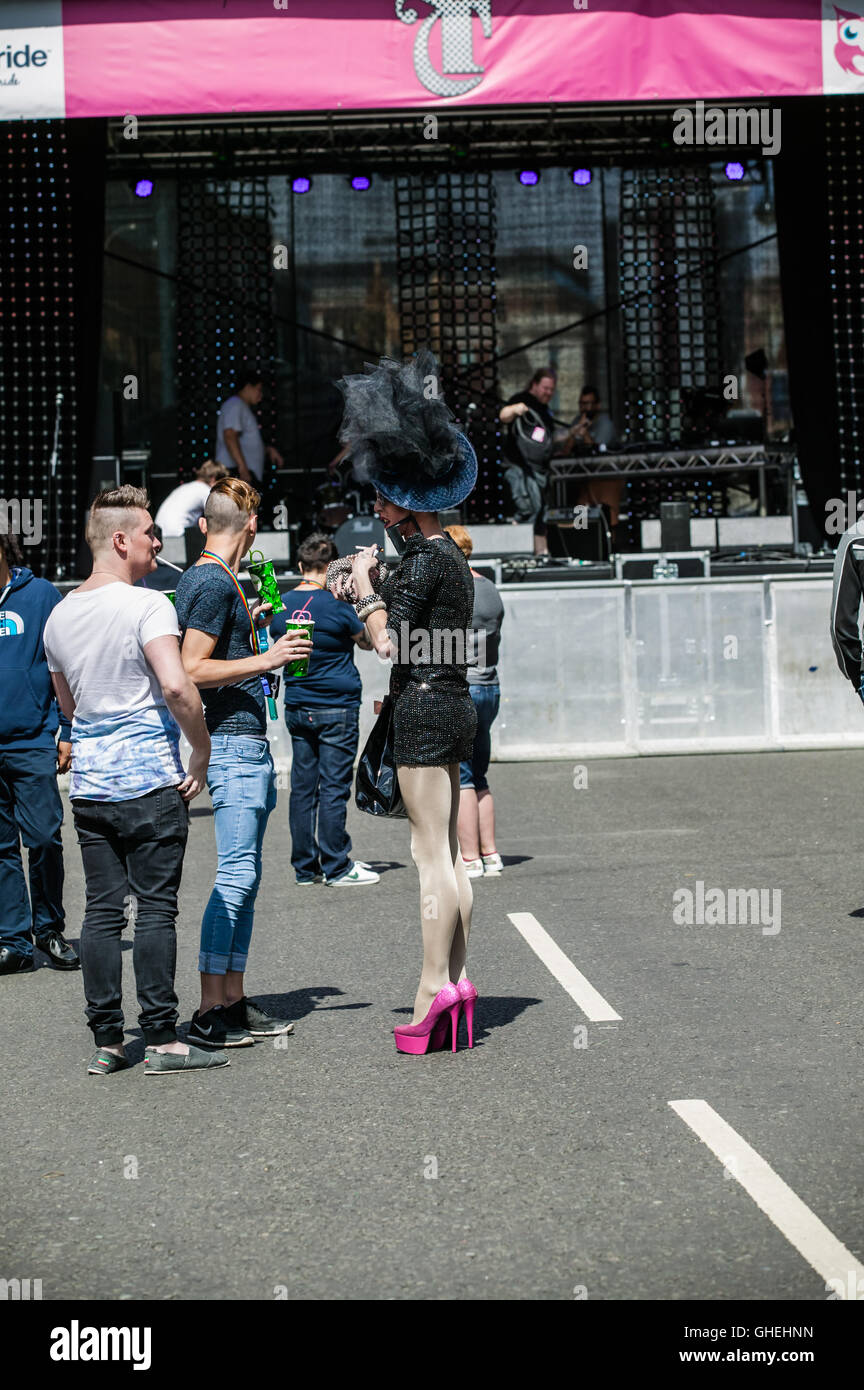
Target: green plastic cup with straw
x=300, y=621
x=263, y=576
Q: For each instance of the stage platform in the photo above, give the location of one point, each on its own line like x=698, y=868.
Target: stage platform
x=614, y=668
x=595, y=667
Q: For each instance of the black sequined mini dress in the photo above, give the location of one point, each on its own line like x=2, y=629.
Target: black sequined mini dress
x=430, y=603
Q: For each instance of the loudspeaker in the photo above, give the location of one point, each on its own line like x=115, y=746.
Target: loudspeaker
x=674, y=525
x=579, y=542
x=358, y=530
x=703, y=533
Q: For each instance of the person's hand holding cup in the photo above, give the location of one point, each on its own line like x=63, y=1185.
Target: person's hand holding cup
x=292, y=646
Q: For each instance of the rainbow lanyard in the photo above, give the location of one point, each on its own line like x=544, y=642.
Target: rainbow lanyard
x=257, y=645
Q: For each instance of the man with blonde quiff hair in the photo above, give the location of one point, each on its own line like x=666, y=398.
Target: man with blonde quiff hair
x=113, y=652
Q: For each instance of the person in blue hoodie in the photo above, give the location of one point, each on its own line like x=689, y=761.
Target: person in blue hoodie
x=30, y=807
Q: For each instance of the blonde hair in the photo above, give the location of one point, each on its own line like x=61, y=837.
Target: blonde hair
x=109, y=513
x=211, y=472
x=462, y=539
x=230, y=505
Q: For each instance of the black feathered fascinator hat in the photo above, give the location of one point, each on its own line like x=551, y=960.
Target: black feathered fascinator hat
x=402, y=436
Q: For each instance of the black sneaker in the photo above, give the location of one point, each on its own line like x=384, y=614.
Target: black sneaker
x=13, y=963
x=212, y=1029
x=61, y=955
x=245, y=1013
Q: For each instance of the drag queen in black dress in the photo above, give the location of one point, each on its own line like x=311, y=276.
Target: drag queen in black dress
x=406, y=443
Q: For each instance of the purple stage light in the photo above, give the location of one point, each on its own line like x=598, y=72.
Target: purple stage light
x=301, y=185
x=529, y=177
x=360, y=183
x=734, y=170
x=582, y=177
x=143, y=188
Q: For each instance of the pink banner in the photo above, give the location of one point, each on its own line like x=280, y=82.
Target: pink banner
x=164, y=57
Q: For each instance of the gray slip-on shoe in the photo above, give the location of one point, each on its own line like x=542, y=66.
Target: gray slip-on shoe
x=196, y=1059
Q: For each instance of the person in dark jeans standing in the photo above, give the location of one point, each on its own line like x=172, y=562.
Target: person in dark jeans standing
x=322, y=712
x=114, y=655
x=30, y=807
x=476, y=807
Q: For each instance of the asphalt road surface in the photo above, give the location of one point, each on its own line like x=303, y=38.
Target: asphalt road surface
x=547, y=1163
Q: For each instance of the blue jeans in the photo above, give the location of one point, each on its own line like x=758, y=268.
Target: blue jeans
x=242, y=786
x=324, y=746
x=30, y=811
x=486, y=701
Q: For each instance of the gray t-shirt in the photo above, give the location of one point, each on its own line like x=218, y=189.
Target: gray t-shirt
x=486, y=623
x=601, y=429
x=207, y=600
x=237, y=415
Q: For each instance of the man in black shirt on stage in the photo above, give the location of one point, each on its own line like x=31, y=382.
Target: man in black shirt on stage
x=526, y=479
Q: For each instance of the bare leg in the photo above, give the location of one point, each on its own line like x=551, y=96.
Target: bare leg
x=486, y=817
x=469, y=830
x=233, y=986
x=212, y=992
x=459, y=949
x=431, y=800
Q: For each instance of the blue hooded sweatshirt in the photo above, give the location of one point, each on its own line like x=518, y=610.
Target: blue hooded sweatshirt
x=29, y=714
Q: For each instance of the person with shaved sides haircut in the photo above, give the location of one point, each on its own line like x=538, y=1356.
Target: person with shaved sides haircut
x=220, y=653
x=114, y=656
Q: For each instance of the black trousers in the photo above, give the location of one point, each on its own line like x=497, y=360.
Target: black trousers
x=133, y=858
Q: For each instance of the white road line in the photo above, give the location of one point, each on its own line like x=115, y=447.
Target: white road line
x=592, y=1004
x=792, y=1218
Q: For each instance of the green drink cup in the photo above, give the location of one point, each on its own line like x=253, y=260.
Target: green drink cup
x=263, y=576
x=296, y=669
x=172, y=594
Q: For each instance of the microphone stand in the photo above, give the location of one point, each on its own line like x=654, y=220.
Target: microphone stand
x=52, y=485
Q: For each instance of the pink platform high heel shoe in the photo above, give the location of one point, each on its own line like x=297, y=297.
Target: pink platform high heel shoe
x=415, y=1037
x=467, y=996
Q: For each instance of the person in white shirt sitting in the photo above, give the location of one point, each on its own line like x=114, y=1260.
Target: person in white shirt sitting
x=186, y=503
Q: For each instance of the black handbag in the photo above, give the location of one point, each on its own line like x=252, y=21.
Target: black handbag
x=376, y=787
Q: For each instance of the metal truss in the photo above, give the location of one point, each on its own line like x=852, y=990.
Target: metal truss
x=476, y=137
x=657, y=464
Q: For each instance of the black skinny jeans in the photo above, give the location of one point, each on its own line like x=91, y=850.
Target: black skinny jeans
x=133, y=858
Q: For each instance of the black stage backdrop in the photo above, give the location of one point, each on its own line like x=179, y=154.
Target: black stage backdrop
x=54, y=176
x=801, y=191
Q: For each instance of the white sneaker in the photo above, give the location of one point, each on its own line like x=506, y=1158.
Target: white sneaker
x=355, y=874
x=493, y=864
x=473, y=867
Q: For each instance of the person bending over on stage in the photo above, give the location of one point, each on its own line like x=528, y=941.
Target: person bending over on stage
x=592, y=428
x=476, y=808
x=220, y=654
x=185, y=504
x=420, y=463
x=322, y=712
x=239, y=446
x=30, y=807
x=527, y=483
x=848, y=590
x=113, y=653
